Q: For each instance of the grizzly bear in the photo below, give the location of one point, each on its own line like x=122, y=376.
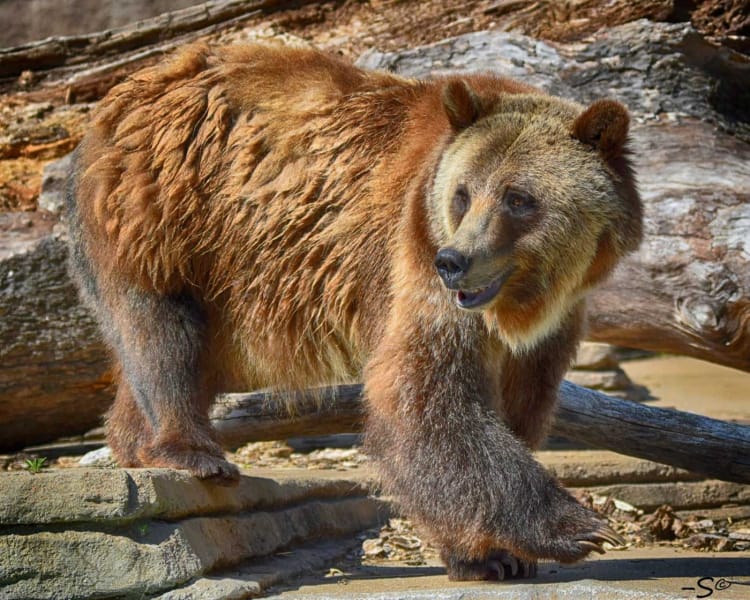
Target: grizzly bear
x=259, y=216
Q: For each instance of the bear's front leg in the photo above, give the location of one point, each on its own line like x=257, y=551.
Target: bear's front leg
x=456, y=468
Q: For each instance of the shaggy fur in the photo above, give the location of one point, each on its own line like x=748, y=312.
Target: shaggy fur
x=258, y=216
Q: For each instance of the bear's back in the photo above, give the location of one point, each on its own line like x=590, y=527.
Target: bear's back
x=246, y=173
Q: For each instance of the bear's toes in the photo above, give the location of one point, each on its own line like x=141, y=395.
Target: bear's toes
x=203, y=464
x=499, y=566
x=214, y=469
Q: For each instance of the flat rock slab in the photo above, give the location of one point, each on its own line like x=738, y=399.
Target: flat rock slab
x=118, y=496
x=601, y=467
x=251, y=580
x=140, y=533
x=642, y=574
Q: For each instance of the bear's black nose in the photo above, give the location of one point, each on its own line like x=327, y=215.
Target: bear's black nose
x=451, y=266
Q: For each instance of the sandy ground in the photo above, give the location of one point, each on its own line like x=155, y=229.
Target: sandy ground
x=644, y=573
x=695, y=386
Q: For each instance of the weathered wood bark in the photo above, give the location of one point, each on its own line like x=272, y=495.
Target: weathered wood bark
x=692, y=442
x=258, y=416
x=86, y=66
x=54, y=377
x=687, y=290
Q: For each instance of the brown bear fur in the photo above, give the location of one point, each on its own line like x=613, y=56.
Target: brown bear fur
x=258, y=216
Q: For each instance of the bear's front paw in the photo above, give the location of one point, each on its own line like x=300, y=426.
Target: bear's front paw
x=498, y=566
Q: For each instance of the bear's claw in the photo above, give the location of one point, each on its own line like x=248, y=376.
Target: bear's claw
x=592, y=542
x=203, y=464
x=604, y=534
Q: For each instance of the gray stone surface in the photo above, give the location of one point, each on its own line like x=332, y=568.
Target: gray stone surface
x=143, y=533
x=607, y=380
x=633, y=574
x=122, y=496
x=598, y=467
x=250, y=580
x=85, y=533
x=152, y=556
x=596, y=356
x=55, y=174
x=680, y=495
x=579, y=590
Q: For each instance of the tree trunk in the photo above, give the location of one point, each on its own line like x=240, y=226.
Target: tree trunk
x=707, y=446
x=54, y=377
x=86, y=66
x=687, y=290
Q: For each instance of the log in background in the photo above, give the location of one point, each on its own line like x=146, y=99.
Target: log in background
x=708, y=446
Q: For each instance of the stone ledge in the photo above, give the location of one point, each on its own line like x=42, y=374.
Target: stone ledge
x=157, y=533
x=252, y=579
x=680, y=495
x=600, y=467
x=153, y=556
x=143, y=532
x=125, y=495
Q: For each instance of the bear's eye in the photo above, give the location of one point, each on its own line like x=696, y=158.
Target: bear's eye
x=461, y=201
x=519, y=203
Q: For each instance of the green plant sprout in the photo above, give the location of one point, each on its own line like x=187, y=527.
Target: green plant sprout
x=35, y=465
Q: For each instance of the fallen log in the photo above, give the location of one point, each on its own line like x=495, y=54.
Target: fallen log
x=700, y=444
x=83, y=68
x=687, y=290
x=55, y=379
x=260, y=416
x=67, y=51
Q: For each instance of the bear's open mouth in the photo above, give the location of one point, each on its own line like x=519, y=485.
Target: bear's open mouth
x=481, y=296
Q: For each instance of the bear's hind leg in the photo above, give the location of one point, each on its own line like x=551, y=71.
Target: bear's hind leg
x=127, y=427
x=160, y=341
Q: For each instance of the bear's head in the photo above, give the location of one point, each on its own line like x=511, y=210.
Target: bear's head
x=533, y=203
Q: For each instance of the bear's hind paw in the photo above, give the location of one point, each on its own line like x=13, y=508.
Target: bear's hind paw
x=201, y=464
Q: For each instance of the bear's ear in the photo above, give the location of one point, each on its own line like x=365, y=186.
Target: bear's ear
x=461, y=104
x=603, y=125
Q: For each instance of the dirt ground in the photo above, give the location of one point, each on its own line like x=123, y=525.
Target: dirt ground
x=34, y=132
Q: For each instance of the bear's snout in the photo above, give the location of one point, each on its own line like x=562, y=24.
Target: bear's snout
x=451, y=265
